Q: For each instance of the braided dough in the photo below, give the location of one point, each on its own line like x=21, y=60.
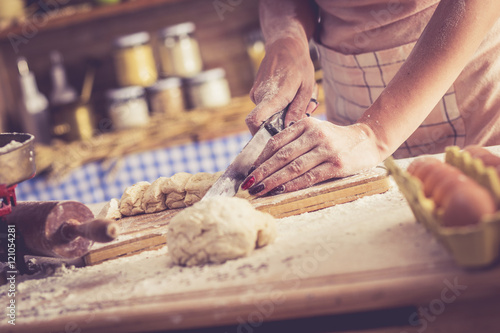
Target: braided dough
x=175, y=190
x=131, y=201
x=153, y=199
x=181, y=190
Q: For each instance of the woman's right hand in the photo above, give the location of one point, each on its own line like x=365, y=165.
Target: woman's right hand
x=285, y=76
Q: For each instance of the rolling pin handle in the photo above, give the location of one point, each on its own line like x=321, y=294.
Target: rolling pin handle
x=98, y=230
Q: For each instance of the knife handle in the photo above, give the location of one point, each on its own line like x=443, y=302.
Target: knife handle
x=276, y=123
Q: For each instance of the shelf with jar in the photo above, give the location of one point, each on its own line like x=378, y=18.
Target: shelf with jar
x=177, y=83
x=146, y=86
x=20, y=16
x=163, y=93
x=155, y=104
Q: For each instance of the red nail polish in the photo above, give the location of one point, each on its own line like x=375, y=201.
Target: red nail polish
x=248, y=183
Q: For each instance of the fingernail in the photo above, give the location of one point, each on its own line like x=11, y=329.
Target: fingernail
x=248, y=183
x=252, y=169
x=277, y=190
x=256, y=189
x=312, y=106
x=291, y=123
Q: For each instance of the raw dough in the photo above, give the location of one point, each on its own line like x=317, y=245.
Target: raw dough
x=153, y=199
x=218, y=229
x=175, y=190
x=198, y=185
x=181, y=190
x=131, y=201
x=111, y=210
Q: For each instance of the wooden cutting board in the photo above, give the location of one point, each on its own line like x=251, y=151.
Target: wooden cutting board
x=147, y=232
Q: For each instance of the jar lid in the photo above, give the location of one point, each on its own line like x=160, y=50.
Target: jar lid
x=208, y=75
x=137, y=38
x=178, y=29
x=167, y=83
x=125, y=93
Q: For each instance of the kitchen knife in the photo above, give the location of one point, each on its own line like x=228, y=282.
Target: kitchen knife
x=229, y=183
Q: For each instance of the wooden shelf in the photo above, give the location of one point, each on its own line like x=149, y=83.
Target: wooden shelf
x=81, y=15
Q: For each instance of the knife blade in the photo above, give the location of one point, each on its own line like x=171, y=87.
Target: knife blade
x=230, y=181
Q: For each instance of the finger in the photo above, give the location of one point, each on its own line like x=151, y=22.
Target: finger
x=282, y=141
x=279, y=141
x=262, y=111
x=316, y=175
x=293, y=170
x=277, y=155
x=312, y=106
x=297, y=108
x=315, y=92
x=288, y=163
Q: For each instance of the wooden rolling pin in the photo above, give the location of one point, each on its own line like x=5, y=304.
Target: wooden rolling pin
x=65, y=229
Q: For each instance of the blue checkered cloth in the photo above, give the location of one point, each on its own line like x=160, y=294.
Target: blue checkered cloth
x=93, y=183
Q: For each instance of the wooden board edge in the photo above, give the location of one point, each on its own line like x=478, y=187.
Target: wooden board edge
x=327, y=199
x=123, y=248
x=324, y=187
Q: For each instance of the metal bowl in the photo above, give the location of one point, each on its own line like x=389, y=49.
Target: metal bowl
x=18, y=163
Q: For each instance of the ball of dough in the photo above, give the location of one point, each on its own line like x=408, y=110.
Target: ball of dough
x=218, y=229
x=131, y=201
x=153, y=199
x=111, y=210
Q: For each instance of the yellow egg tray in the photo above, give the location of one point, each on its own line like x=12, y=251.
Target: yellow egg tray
x=472, y=246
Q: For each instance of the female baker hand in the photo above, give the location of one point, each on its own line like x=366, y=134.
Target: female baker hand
x=286, y=76
x=311, y=151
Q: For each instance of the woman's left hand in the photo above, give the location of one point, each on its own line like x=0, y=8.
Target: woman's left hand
x=311, y=151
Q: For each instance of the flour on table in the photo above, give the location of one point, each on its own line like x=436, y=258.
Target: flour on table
x=10, y=146
x=111, y=210
x=131, y=201
x=218, y=229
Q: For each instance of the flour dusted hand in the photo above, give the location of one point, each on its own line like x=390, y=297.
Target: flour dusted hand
x=217, y=230
x=131, y=201
x=310, y=152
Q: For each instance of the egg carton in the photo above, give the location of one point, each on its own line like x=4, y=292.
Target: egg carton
x=472, y=246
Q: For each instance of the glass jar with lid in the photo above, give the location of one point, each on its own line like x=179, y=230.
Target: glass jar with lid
x=209, y=89
x=127, y=107
x=179, y=51
x=166, y=97
x=134, y=61
x=11, y=10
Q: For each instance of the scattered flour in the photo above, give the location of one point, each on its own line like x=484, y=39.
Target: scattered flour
x=372, y=233
x=10, y=146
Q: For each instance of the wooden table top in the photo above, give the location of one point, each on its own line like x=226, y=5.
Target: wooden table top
x=364, y=255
